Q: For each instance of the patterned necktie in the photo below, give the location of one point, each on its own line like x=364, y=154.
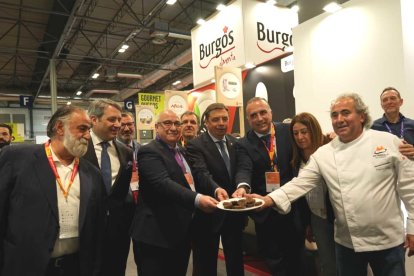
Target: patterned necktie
x=106, y=166
x=179, y=160
x=225, y=156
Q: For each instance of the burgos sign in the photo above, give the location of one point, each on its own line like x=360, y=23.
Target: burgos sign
x=245, y=31
x=217, y=48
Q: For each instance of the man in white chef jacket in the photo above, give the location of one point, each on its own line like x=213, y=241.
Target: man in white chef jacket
x=367, y=177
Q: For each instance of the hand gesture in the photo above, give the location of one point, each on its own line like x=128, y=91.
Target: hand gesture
x=409, y=244
x=221, y=194
x=268, y=201
x=407, y=150
x=240, y=192
x=207, y=204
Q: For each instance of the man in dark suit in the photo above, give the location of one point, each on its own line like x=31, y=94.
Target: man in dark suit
x=166, y=204
x=190, y=125
x=264, y=156
x=115, y=161
x=51, y=203
x=6, y=135
x=126, y=135
x=213, y=160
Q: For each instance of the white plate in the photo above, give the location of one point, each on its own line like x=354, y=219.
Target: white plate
x=220, y=205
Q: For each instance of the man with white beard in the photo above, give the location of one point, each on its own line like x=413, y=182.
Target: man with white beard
x=51, y=203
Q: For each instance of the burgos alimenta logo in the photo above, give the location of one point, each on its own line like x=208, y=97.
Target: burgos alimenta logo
x=269, y=40
x=216, y=48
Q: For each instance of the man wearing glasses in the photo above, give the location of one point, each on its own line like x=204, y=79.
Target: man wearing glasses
x=166, y=204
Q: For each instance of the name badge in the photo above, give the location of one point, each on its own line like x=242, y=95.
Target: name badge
x=68, y=221
x=134, y=181
x=190, y=181
x=272, y=181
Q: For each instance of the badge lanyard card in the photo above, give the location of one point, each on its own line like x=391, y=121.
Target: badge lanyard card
x=272, y=177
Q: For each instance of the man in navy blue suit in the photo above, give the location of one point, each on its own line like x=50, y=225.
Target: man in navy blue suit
x=213, y=160
x=106, y=117
x=167, y=200
x=264, y=156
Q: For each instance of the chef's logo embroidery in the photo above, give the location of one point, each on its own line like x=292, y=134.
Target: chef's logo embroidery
x=380, y=151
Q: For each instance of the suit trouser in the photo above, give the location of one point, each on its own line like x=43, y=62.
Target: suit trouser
x=281, y=242
x=157, y=261
x=67, y=265
x=323, y=230
x=117, y=243
x=206, y=244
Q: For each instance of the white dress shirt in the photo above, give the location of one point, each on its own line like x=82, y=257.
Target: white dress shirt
x=113, y=155
x=64, y=246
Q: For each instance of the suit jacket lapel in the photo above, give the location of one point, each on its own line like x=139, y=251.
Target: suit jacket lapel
x=212, y=148
x=47, y=180
x=91, y=154
x=232, y=154
x=259, y=147
x=169, y=157
x=85, y=192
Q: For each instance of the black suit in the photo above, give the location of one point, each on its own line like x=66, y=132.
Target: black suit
x=29, y=220
x=210, y=173
x=161, y=225
x=118, y=212
x=280, y=237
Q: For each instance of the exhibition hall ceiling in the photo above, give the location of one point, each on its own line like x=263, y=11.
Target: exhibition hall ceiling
x=134, y=45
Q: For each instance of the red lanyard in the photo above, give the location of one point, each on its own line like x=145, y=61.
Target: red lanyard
x=53, y=167
x=272, y=150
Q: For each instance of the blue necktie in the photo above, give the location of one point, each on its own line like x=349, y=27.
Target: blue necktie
x=106, y=166
x=225, y=156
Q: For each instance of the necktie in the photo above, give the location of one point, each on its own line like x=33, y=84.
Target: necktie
x=225, y=156
x=177, y=158
x=106, y=166
x=266, y=139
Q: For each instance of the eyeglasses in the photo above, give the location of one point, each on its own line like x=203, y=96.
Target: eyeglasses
x=129, y=125
x=169, y=124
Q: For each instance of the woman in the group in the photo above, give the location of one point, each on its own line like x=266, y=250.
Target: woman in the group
x=307, y=135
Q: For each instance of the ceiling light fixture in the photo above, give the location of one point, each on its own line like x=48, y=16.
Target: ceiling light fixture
x=79, y=93
x=201, y=21
x=171, y=2
x=176, y=82
x=295, y=8
x=95, y=76
x=69, y=103
x=220, y=7
x=122, y=50
x=125, y=46
x=332, y=7
x=129, y=75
